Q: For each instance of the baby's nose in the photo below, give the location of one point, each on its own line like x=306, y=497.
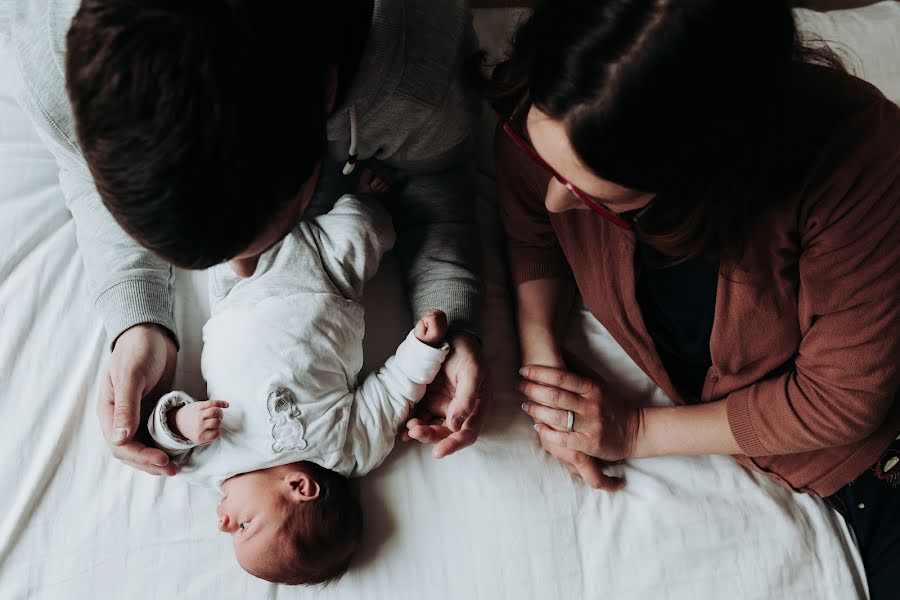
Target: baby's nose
x=226, y=525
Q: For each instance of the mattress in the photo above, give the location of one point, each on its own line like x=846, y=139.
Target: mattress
x=499, y=520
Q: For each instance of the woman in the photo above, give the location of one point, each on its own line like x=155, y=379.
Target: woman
x=727, y=204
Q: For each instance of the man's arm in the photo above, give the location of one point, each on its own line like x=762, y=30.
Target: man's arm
x=439, y=247
x=132, y=289
x=352, y=239
x=128, y=283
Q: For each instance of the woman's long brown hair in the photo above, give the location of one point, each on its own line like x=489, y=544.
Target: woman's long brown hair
x=695, y=100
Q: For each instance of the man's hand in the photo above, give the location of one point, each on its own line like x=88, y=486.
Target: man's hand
x=142, y=365
x=200, y=422
x=452, y=414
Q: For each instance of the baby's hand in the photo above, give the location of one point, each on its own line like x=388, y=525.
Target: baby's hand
x=432, y=328
x=200, y=421
x=371, y=184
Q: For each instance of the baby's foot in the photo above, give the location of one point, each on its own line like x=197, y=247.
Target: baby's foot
x=371, y=184
x=432, y=328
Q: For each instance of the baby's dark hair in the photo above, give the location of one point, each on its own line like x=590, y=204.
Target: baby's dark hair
x=320, y=536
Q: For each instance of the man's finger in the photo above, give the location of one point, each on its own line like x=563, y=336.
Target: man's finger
x=106, y=402
x=558, y=378
x=429, y=434
x=126, y=413
x=432, y=420
x=454, y=442
x=465, y=400
x=471, y=429
x=151, y=460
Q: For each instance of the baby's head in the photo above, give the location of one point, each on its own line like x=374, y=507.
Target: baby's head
x=293, y=524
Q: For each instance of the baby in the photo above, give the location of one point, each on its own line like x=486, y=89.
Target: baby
x=284, y=348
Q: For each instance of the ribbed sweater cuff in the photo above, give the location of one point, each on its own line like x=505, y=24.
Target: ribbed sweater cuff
x=738, y=409
x=133, y=302
x=461, y=303
x=525, y=272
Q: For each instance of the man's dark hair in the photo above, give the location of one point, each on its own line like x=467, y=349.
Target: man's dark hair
x=200, y=120
x=319, y=537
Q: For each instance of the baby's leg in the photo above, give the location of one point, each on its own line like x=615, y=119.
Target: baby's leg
x=432, y=328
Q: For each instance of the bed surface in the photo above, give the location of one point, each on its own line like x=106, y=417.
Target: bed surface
x=499, y=520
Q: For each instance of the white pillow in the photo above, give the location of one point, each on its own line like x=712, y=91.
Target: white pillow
x=866, y=38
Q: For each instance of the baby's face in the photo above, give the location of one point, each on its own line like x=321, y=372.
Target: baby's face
x=252, y=512
x=255, y=506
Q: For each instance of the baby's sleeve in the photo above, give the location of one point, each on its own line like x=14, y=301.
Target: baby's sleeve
x=158, y=424
x=352, y=239
x=383, y=401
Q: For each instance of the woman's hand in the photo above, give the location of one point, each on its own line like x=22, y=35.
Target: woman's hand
x=602, y=426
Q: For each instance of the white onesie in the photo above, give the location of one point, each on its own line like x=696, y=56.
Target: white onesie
x=284, y=347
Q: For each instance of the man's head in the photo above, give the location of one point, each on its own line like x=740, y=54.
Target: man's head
x=202, y=122
x=293, y=524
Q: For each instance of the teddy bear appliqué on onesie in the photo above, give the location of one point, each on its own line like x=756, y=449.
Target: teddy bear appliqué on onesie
x=284, y=415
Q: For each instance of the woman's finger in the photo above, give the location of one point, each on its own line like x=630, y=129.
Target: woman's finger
x=553, y=397
x=570, y=441
x=586, y=467
x=591, y=471
x=558, y=378
x=554, y=417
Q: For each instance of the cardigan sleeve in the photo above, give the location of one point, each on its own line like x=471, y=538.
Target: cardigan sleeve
x=846, y=372
x=533, y=249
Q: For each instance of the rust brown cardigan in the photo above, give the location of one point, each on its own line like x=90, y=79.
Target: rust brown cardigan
x=805, y=349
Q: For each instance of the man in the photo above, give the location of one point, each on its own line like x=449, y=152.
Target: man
x=200, y=128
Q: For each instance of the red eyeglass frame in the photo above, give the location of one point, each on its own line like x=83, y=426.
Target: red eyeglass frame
x=535, y=157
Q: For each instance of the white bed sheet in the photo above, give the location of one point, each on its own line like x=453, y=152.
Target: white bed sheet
x=499, y=520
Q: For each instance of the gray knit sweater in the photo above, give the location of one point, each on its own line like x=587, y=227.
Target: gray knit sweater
x=409, y=111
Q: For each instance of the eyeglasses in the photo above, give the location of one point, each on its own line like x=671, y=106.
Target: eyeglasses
x=529, y=150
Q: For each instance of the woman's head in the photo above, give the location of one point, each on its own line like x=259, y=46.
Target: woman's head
x=684, y=99
x=294, y=524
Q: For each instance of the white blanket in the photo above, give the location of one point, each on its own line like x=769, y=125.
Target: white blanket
x=499, y=520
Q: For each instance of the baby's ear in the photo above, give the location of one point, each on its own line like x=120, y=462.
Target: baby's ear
x=302, y=486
